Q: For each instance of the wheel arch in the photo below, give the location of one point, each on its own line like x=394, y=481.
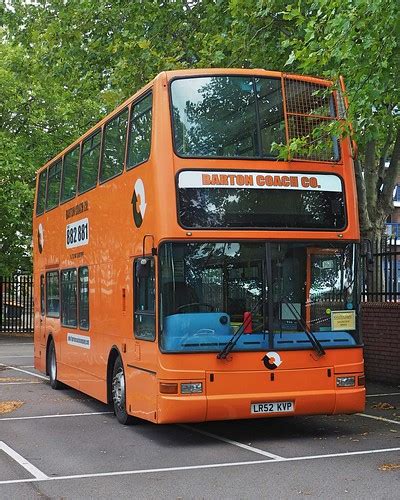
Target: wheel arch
x=112, y=357
x=49, y=340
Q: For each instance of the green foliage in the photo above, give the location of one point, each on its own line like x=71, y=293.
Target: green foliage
x=361, y=40
x=65, y=63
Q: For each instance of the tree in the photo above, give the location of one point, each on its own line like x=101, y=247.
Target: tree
x=360, y=40
x=64, y=64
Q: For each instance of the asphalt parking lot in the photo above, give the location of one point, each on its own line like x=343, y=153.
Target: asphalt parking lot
x=64, y=444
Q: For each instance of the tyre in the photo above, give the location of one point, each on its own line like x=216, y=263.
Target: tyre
x=119, y=394
x=52, y=367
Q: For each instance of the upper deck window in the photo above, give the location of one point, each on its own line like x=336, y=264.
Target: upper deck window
x=53, y=186
x=41, y=192
x=243, y=117
x=114, y=146
x=227, y=116
x=140, y=132
x=70, y=172
x=89, y=162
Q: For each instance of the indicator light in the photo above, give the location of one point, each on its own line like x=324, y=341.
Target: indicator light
x=168, y=388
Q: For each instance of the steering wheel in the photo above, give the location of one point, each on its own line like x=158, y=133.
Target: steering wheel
x=195, y=304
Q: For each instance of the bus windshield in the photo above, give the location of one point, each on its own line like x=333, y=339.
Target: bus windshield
x=243, y=116
x=207, y=291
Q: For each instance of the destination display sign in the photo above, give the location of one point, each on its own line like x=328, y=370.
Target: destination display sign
x=260, y=180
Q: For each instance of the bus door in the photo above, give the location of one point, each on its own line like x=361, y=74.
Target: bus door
x=323, y=286
x=42, y=316
x=141, y=372
x=74, y=341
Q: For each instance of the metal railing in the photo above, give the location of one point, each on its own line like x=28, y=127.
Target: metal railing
x=380, y=279
x=16, y=304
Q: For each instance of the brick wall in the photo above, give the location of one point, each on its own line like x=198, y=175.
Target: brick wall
x=381, y=332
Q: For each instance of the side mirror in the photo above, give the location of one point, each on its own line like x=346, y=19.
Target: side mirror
x=143, y=268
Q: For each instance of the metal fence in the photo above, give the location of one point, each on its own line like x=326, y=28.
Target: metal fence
x=16, y=304
x=380, y=276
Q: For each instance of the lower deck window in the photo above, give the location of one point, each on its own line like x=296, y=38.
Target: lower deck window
x=69, y=306
x=52, y=294
x=84, y=298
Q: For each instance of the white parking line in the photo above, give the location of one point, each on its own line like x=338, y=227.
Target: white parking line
x=25, y=371
x=16, y=356
x=37, y=417
x=385, y=394
x=379, y=418
x=38, y=474
x=199, y=467
x=16, y=344
x=234, y=443
x=19, y=383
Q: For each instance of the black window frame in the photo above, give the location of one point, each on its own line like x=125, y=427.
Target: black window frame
x=99, y=132
x=64, y=200
x=63, y=323
x=57, y=162
x=48, y=273
x=79, y=298
x=129, y=131
x=136, y=295
x=103, y=141
x=41, y=192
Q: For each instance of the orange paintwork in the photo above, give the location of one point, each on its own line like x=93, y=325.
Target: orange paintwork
x=115, y=242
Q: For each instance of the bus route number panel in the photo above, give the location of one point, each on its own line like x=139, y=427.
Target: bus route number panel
x=77, y=233
x=275, y=407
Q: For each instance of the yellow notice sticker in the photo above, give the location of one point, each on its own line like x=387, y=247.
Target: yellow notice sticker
x=343, y=320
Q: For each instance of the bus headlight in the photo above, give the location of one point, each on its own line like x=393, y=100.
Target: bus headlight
x=192, y=388
x=345, y=381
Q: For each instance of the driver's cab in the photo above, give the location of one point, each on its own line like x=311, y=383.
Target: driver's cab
x=274, y=291
x=206, y=291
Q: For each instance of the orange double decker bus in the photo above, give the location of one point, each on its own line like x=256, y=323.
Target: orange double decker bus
x=185, y=273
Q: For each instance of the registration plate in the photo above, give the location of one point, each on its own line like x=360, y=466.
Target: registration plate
x=275, y=407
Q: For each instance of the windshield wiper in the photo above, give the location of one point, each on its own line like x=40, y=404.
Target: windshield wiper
x=314, y=341
x=233, y=341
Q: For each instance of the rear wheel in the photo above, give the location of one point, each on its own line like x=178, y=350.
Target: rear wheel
x=52, y=367
x=118, y=390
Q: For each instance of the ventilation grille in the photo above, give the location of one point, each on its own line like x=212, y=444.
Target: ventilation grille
x=310, y=110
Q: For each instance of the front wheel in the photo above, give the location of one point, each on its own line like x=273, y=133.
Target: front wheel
x=118, y=389
x=52, y=367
